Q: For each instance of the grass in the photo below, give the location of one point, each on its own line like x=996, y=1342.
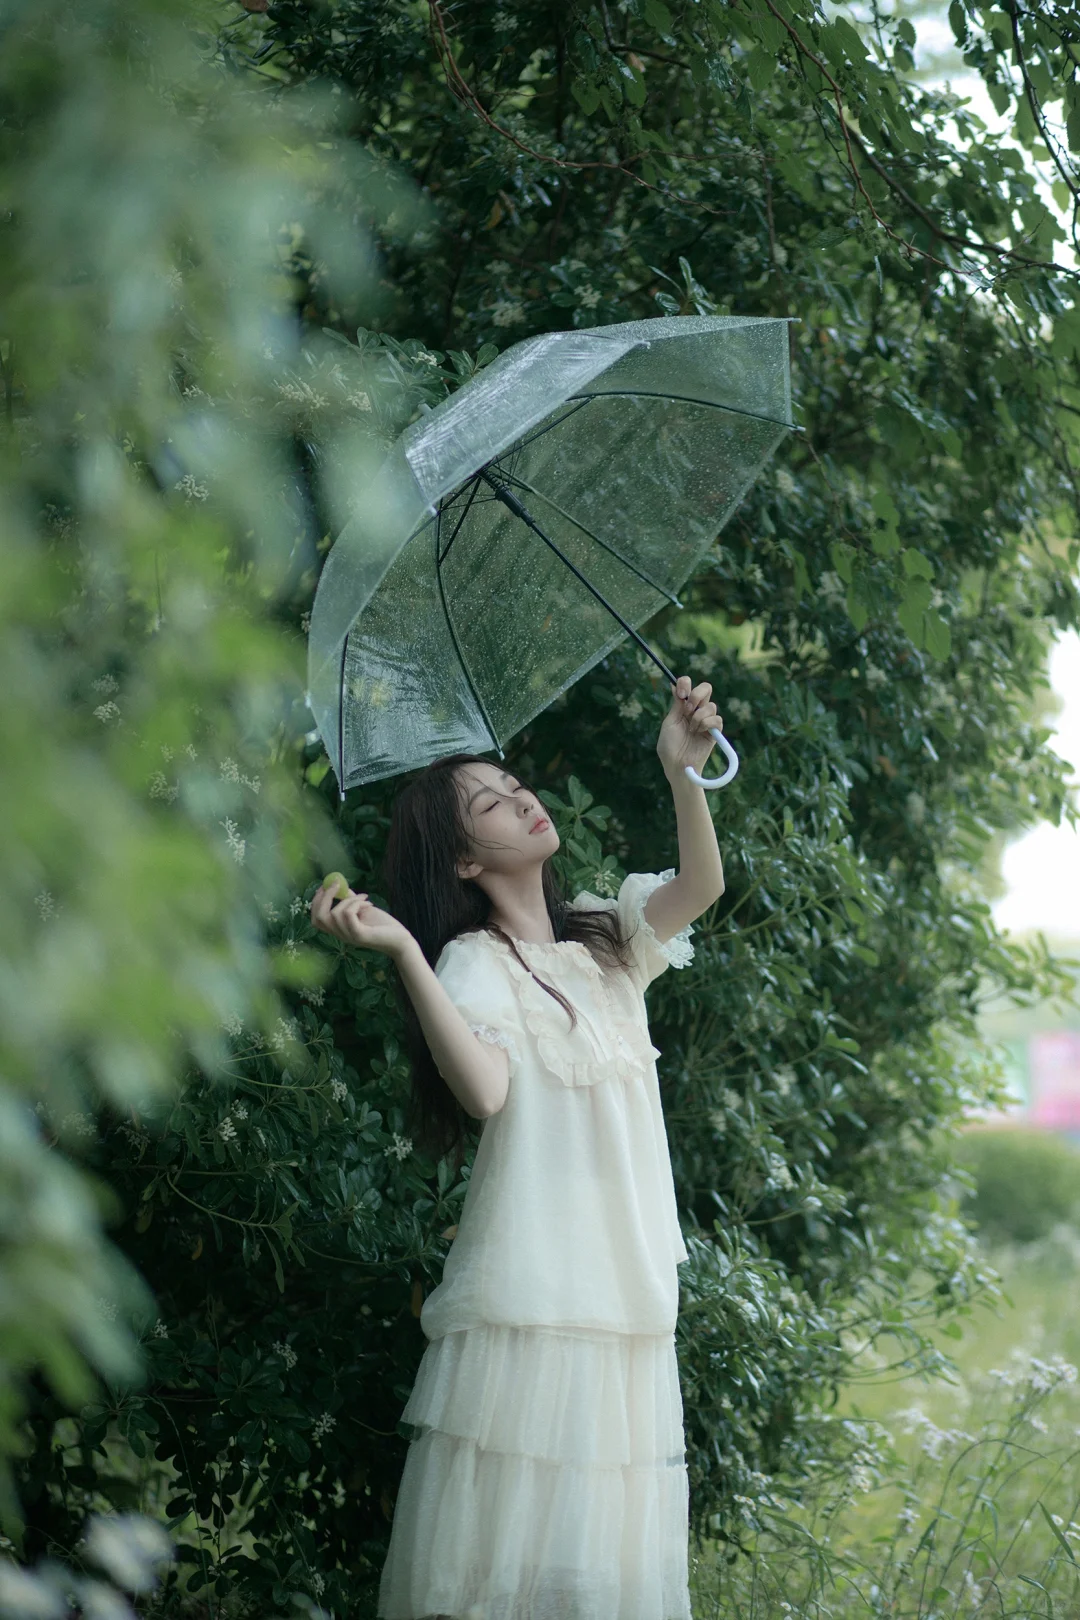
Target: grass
x=968, y=1503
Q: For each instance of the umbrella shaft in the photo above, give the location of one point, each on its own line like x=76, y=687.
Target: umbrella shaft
x=509, y=499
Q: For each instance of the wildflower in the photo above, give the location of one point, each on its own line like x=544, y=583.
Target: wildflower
x=360, y=400
x=731, y=1099
x=240, y=1111
x=313, y=993
x=160, y=1330
x=399, y=1148
x=339, y=1090
x=190, y=487
x=46, y=904
x=236, y=843
x=783, y=1080
x=324, y=1424
x=106, y=712
x=160, y=789
x=227, y=1130
x=588, y=297
x=107, y=1307
x=780, y=1177
x=630, y=708
x=286, y=1352
x=507, y=312
x=305, y=622
x=916, y=808
x=740, y=709
x=317, y=1584
x=82, y=1123
x=832, y=588
x=784, y=481
x=874, y=676
x=233, y=1026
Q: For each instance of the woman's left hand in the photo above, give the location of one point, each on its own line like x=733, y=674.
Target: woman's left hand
x=684, y=736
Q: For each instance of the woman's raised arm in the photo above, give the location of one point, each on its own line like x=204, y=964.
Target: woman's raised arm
x=477, y=1073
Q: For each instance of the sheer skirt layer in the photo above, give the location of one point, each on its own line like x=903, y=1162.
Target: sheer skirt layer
x=546, y=1481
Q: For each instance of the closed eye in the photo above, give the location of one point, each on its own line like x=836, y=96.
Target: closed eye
x=494, y=802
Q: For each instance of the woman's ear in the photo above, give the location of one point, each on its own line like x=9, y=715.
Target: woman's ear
x=468, y=869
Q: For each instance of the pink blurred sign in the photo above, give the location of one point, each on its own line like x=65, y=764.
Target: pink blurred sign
x=1055, y=1080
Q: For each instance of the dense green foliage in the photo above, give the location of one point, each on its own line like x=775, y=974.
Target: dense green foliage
x=1025, y=1182
x=874, y=625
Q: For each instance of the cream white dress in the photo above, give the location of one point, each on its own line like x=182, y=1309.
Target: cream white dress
x=547, y=1476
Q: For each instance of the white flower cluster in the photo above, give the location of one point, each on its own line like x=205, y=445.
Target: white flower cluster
x=161, y=789
x=784, y=481
x=630, y=708
x=313, y=993
x=236, y=843
x=741, y=710
x=106, y=712
x=874, y=676
x=46, y=905
x=233, y=1026
x=82, y=1124
x=399, y=1148
x=507, y=312
x=286, y=1352
x=338, y=1089
x=106, y=685
x=588, y=297
x=305, y=622
x=191, y=489
x=933, y=1440
x=780, y=1177
x=323, y=1426
x=231, y=772
x=160, y=1330
x=832, y=588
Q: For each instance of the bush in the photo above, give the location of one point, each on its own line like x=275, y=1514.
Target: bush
x=1026, y=1182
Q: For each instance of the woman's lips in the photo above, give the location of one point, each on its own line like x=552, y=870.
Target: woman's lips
x=540, y=825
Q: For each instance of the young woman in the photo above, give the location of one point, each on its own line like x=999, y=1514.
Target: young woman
x=547, y=1476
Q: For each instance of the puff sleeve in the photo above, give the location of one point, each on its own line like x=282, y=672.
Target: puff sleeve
x=650, y=956
x=476, y=983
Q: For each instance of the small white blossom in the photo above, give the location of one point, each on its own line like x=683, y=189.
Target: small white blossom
x=630, y=708
x=227, y=1130
x=160, y=1330
x=107, y=1307
x=339, y=1090
x=240, y=1111
x=46, y=904
x=313, y=993
x=105, y=712
x=741, y=710
x=305, y=622
x=507, y=312
x=874, y=676
x=82, y=1124
x=784, y=481
x=832, y=588
x=233, y=1026
x=399, y=1148
x=236, y=843
x=317, y=1584
x=588, y=297
x=780, y=1176
x=191, y=489
x=916, y=808
x=324, y=1424
x=106, y=685
x=359, y=399
x=286, y=1352
x=161, y=789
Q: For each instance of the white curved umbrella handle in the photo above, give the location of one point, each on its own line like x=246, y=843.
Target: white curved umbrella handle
x=716, y=781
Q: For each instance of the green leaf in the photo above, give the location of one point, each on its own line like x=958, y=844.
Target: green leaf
x=958, y=22
x=916, y=563
x=842, y=556
x=659, y=15
x=857, y=610
x=1057, y=1533
x=938, y=636
x=586, y=95
x=906, y=31
x=761, y=65
x=912, y=609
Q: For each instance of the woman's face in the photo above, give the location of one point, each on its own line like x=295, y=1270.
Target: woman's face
x=508, y=827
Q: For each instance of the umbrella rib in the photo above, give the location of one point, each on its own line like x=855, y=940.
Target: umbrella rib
x=440, y=557
x=466, y=671
x=512, y=478
x=509, y=499
x=685, y=399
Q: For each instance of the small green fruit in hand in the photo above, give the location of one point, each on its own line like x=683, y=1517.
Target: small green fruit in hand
x=335, y=881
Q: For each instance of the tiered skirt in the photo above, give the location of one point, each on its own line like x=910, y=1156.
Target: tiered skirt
x=546, y=1480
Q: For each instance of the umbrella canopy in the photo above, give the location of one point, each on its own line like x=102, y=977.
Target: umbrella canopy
x=516, y=533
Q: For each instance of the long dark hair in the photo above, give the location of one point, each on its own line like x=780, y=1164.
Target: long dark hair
x=428, y=836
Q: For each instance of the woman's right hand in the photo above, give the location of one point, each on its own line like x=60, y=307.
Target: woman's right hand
x=356, y=921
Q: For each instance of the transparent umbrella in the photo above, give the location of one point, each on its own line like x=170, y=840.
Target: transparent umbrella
x=524, y=527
